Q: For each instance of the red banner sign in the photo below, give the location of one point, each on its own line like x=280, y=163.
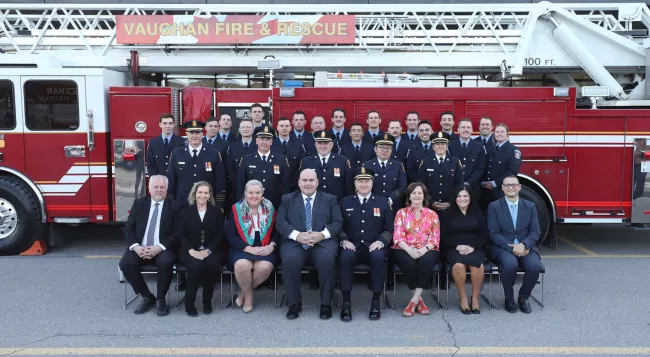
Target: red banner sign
x=235, y=29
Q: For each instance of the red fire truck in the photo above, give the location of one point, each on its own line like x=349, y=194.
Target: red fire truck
x=73, y=129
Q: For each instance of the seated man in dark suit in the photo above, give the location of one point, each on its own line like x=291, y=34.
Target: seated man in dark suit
x=149, y=234
x=514, y=229
x=309, y=223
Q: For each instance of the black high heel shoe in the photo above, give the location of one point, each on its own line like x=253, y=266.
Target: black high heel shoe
x=466, y=311
x=475, y=311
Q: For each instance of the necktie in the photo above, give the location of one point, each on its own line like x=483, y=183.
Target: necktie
x=426, y=149
x=464, y=146
x=223, y=137
x=363, y=204
x=412, y=137
x=307, y=218
x=284, y=144
x=264, y=158
x=356, y=147
x=152, y=225
x=513, y=214
x=324, y=163
x=299, y=136
x=194, y=154
x=211, y=141
x=166, y=142
x=246, y=146
x=338, y=136
x=440, y=160
x=485, y=142
x=373, y=136
x=383, y=167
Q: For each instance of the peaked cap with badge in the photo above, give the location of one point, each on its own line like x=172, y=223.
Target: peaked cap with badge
x=193, y=125
x=439, y=137
x=324, y=136
x=264, y=131
x=385, y=139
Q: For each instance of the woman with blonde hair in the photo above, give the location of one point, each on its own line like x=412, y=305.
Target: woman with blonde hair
x=252, y=242
x=200, y=232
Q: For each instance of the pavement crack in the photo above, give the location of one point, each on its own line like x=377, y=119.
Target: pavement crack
x=450, y=329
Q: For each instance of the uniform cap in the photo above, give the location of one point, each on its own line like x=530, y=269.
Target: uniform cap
x=193, y=125
x=264, y=131
x=439, y=137
x=385, y=139
x=324, y=135
x=364, y=173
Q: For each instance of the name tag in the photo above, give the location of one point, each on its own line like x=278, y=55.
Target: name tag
x=430, y=170
x=350, y=209
x=252, y=167
x=181, y=162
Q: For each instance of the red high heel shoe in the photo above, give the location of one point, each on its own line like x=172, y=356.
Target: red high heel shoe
x=410, y=309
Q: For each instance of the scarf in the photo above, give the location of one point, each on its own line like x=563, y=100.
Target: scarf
x=244, y=221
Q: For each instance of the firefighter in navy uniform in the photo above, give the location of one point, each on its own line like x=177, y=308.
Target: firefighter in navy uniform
x=291, y=147
x=504, y=159
x=196, y=162
x=390, y=176
x=161, y=147
x=211, y=137
x=472, y=154
x=357, y=150
x=271, y=169
x=333, y=170
x=365, y=238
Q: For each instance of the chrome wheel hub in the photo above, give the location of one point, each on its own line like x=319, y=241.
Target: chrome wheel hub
x=8, y=218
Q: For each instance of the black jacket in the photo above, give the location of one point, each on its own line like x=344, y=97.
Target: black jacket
x=158, y=155
x=473, y=158
x=192, y=232
x=136, y=224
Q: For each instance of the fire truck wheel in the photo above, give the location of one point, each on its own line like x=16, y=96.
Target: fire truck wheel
x=542, y=212
x=20, y=216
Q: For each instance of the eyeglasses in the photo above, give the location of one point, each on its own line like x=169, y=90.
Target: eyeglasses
x=510, y=185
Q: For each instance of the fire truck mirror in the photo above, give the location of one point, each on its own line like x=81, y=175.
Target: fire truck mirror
x=130, y=180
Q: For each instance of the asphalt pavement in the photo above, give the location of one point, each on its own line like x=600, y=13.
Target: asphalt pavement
x=71, y=302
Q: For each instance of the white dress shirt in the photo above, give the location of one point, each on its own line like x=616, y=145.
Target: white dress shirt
x=156, y=233
x=362, y=197
x=198, y=150
x=327, y=159
x=325, y=232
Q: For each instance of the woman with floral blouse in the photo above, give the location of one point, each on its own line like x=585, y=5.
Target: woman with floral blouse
x=416, y=245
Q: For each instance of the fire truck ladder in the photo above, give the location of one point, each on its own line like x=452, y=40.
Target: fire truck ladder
x=508, y=39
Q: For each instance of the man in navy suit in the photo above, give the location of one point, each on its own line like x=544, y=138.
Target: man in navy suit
x=412, y=122
x=341, y=136
x=161, y=147
x=225, y=124
x=291, y=147
x=309, y=222
x=485, y=127
x=513, y=225
x=402, y=146
x=211, y=137
x=472, y=155
x=357, y=150
x=149, y=234
x=373, y=121
x=447, y=124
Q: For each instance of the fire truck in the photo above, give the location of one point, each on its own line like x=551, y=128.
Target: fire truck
x=82, y=88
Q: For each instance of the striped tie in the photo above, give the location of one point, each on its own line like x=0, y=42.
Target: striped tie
x=307, y=219
x=513, y=214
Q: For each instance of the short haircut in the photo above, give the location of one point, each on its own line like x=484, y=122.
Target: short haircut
x=283, y=119
x=413, y=112
x=503, y=125
x=246, y=121
x=446, y=112
x=513, y=177
x=299, y=112
x=338, y=110
x=318, y=116
x=356, y=124
x=257, y=105
x=252, y=183
x=487, y=118
x=222, y=114
x=191, y=198
x=425, y=122
x=374, y=111
x=395, y=121
x=412, y=187
x=158, y=177
x=465, y=120
x=211, y=119
x=166, y=116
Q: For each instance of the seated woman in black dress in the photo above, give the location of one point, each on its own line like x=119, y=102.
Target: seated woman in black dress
x=464, y=234
x=252, y=242
x=200, y=232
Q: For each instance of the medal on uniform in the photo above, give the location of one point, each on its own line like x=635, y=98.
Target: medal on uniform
x=208, y=166
x=337, y=172
x=276, y=169
x=376, y=211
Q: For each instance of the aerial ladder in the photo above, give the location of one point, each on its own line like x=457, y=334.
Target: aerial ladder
x=607, y=41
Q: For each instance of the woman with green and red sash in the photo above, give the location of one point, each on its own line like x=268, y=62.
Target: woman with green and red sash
x=252, y=242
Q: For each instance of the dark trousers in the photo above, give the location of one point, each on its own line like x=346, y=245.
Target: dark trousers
x=294, y=260
x=418, y=273
x=510, y=264
x=206, y=271
x=130, y=266
x=376, y=259
x=488, y=196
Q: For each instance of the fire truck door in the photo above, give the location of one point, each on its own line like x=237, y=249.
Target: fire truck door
x=12, y=148
x=57, y=144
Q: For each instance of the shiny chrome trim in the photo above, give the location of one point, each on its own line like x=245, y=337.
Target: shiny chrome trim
x=34, y=188
x=71, y=220
x=544, y=160
x=91, y=130
x=592, y=220
x=548, y=195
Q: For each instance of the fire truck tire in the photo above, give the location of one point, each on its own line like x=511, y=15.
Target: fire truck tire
x=20, y=216
x=545, y=223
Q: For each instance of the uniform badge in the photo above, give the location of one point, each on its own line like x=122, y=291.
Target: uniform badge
x=337, y=172
x=208, y=166
x=517, y=154
x=276, y=169
x=376, y=211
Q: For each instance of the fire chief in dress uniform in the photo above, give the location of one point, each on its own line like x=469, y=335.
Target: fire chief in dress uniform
x=333, y=170
x=196, y=162
x=390, y=176
x=441, y=173
x=367, y=232
x=271, y=169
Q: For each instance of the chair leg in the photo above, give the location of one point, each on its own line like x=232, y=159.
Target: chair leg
x=122, y=279
x=541, y=303
x=125, y=300
x=394, y=289
x=275, y=287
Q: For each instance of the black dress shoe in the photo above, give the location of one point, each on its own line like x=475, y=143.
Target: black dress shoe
x=346, y=312
x=162, y=308
x=390, y=285
x=325, y=312
x=270, y=283
x=511, y=307
x=181, y=283
x=146, y=304
x=191, y=311
x=294, y=311
x=475, y=311
x=207, y=308
x=375, y=311
x=524, y=305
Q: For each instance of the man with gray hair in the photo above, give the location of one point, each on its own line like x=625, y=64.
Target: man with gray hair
x=149, y=234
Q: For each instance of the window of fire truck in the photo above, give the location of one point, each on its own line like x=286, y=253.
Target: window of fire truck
x=7, y=112
x=51, y=105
